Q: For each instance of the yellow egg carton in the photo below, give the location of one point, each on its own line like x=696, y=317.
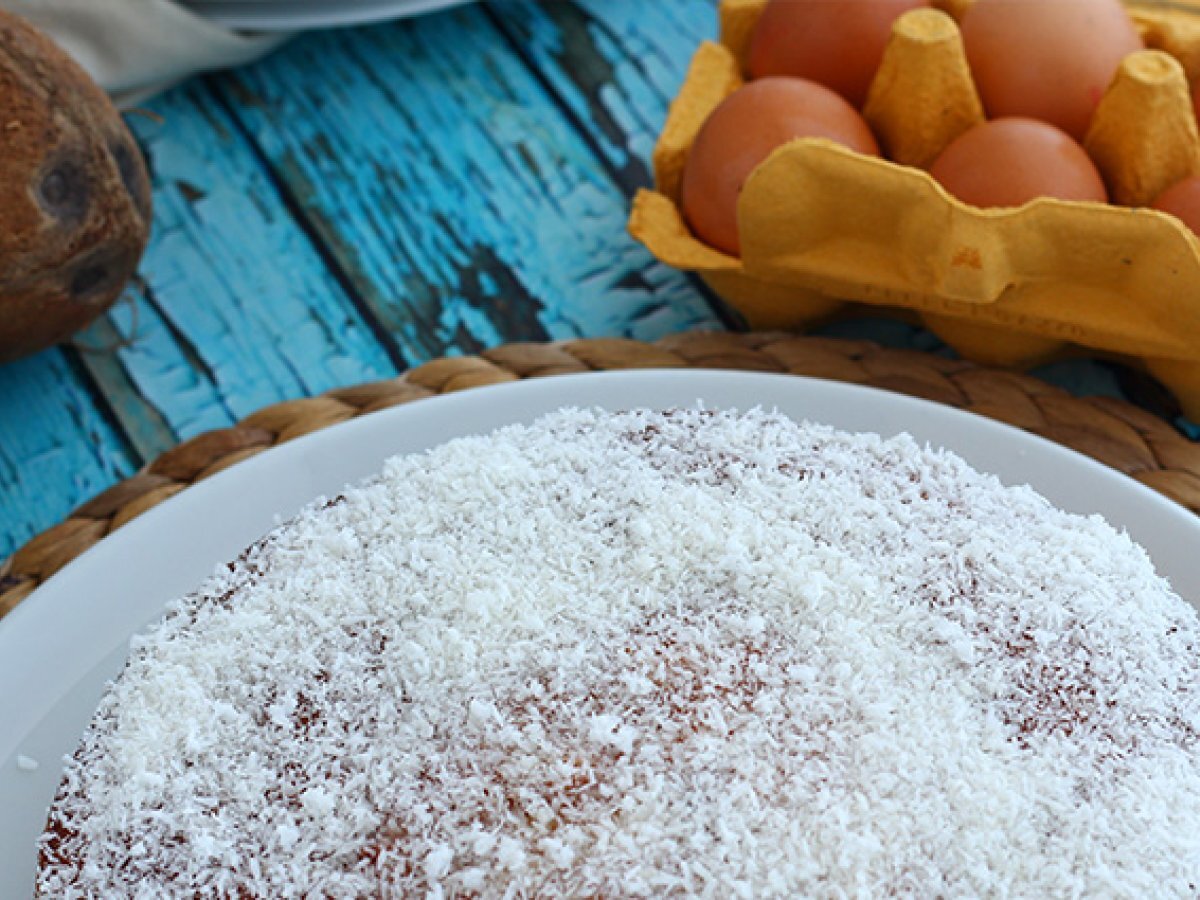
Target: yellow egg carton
x=820, y=224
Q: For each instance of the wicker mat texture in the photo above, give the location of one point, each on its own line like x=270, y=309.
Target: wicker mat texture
x=1116, y=433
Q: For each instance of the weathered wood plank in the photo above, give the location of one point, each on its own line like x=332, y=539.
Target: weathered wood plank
x=236, y=308
x=615, y=65
x=144, y=427
x=455, y=194
x=56, y=446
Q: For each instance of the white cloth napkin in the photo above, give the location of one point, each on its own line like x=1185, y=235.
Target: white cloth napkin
x=135, y=48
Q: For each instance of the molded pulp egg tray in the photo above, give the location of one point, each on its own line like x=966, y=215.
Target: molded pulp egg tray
x=820, y=225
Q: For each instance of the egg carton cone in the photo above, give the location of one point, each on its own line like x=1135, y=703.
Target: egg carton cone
x=821, y=226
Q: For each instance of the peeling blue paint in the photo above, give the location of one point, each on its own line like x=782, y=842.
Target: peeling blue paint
x=419, y=150
x=616, y=66
x=56, y=447
x=235, y=278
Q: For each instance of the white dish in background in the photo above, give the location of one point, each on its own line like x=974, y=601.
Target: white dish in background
x=60, y=647
x=299, y=15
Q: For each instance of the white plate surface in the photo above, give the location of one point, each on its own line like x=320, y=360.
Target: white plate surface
x=298, y=15
x=60, y=647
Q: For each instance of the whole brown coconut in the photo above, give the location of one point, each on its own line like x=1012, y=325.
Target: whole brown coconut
x=74, y=194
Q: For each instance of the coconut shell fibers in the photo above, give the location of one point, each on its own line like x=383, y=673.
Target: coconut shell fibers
x=74, y=194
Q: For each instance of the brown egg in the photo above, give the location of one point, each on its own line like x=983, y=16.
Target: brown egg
x=1008, y=162
x=1182, y=200
x=837, y=43
x=742, y=132
x=1046, y=59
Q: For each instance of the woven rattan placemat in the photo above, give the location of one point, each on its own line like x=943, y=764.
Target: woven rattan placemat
x=1114, y=432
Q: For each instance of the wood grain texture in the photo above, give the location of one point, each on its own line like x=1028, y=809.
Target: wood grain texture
x=236, y=309
x=57, y=448
x=457, y=197
x=615, y=65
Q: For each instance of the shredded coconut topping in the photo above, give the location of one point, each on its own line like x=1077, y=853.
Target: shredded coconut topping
x=654, y=654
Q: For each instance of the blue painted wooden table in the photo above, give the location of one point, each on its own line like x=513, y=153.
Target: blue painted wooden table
x=360, y=202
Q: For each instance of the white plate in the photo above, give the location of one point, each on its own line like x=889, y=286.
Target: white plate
x=298, y=15
x=60, y=646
